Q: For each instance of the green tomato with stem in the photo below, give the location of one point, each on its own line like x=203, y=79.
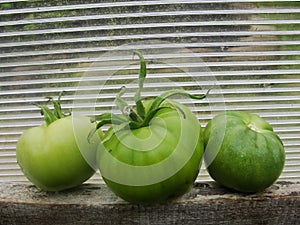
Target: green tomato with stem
x=51, y=155
x=152, y=151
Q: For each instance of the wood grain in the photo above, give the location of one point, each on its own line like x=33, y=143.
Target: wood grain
x=206, y=203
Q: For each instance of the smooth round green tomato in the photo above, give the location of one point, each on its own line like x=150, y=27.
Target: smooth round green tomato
x=156, y=162
x=50, y=156
x=248, y=157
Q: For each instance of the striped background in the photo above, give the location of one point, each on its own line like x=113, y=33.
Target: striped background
x=247, y=51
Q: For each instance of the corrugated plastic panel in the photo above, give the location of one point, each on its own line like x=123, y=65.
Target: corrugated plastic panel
x=247, y=51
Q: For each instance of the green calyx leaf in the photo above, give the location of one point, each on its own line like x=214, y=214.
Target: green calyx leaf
x=56, y=113
x=167, y=94
x=137, y=117
x=142, y=76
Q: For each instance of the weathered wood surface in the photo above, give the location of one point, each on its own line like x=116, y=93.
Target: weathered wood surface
x=206, y=203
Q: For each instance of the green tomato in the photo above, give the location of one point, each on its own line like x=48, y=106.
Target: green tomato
x=153, y=150
x=51, y=156
x=242, y=152
x=154, y=162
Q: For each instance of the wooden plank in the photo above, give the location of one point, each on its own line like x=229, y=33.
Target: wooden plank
x=206, y=203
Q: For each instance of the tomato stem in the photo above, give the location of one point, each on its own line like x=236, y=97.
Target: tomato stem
x=138, y=117
x=52, y=115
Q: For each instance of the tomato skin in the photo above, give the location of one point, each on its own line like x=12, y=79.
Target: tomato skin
x=163, y=132
x=175, y=186
x=251, y=155
x=50, y=157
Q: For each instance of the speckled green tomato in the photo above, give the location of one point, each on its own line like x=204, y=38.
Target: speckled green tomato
x=155, y=162
x=250, y=156
x=51, y=155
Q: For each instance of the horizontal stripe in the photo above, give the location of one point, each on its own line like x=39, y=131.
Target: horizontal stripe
x=151, y=25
